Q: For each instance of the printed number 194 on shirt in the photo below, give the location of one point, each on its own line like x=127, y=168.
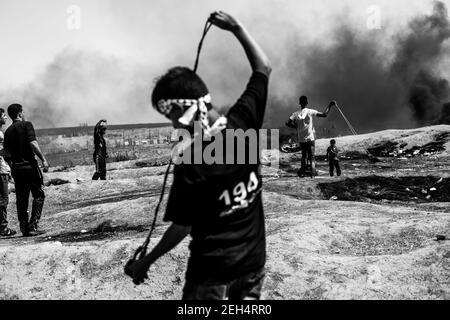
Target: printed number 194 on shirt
x=241, y=190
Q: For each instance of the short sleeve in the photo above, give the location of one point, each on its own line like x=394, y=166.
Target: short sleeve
x=249, y=109
x=179, y=205
x=6, y=143
x=313, y=112
x=31, y=135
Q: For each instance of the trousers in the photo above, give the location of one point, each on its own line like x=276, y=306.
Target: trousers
x=100, y=168
x=246, y=287
x=4, y=199
x=334, y=164
x=28, y=178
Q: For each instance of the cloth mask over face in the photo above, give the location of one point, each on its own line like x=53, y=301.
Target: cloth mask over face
x=194, y=109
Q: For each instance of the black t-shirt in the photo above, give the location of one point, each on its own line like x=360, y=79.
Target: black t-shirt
x=222, y=202
x=99, y=145
x=17, y=141
x=333, y=153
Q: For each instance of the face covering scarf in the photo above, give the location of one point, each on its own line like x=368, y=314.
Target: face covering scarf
x=194, y=109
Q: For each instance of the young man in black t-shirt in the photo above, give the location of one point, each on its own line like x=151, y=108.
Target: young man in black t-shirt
x=219, y=205
x=22, y=147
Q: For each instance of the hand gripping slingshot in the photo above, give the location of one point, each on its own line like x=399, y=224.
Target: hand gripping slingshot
x=141, y=251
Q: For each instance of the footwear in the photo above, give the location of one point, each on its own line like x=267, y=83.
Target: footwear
x=33, y=233
x=301, y=172
x=7, y=232
x=36, y=230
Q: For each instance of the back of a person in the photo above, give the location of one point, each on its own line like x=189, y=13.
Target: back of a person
x=227, y=219
x=23, y=150
x=305, y=124
x=218, y=204
x=223, y=200
x=18, y=142
x=225, y=207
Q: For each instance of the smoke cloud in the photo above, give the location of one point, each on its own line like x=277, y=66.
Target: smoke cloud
x=378, y=86
x=380, y=81
x=85, y=87
x=418, y=53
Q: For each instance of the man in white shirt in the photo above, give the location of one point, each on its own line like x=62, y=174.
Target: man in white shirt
x=303, y=121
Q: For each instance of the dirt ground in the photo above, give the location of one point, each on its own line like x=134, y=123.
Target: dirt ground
x=369, y=234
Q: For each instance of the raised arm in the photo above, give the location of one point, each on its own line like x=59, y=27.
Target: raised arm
x=256, y=56
x=325, y=113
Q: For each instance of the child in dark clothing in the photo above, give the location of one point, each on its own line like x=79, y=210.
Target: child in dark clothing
x=333, y=158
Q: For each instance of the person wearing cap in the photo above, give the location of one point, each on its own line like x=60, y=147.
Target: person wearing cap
x=218, y=204
x=303, y=121
x=22, y=148
x=100, y=154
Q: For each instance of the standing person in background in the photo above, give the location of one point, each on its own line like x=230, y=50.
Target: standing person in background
x=333, y=158
x=100, y=153
x=303, y=121
x=5, y=173
x=21, y=144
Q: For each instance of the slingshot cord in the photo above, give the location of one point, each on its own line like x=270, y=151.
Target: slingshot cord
x=353, y=131
x=142, y=250
x=147, y=240
x=208, y=25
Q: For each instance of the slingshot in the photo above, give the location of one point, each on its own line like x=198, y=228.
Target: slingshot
x=141, y=252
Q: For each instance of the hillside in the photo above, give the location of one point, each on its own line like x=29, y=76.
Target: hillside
x=369, y=234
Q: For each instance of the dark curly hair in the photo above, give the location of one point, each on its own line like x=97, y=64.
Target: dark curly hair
x=303, y=100
x=14, y=110
x=178, y=83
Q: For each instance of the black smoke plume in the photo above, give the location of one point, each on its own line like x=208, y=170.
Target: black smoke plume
x=380, y=83
x=418, y=53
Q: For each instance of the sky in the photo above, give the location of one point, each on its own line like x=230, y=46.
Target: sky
x=106, y=68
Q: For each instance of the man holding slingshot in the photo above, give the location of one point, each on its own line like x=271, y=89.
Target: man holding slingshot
x=226, y=222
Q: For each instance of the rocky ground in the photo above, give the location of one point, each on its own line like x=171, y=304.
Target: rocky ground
x=369, y=234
